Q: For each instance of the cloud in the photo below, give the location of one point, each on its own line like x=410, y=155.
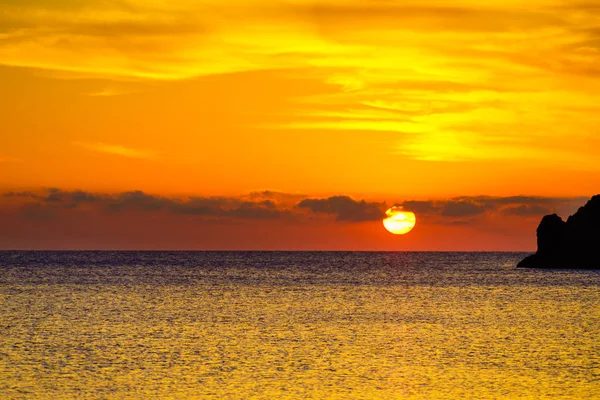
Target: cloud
x=276, y=196
x=50, y=201
x=228, y=207
x=119, y=150
x=54, y=195
x=273, y=205
x=137, y=201
x=462, y=209
x=204, y=206
x=346, y=209
x=420, y=207
x=527, y=211
x=266, y=205
x=453, y=82
x=160, y=40
x=80, y=196
x=466, y=18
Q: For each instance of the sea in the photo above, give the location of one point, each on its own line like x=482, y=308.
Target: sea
x=295, y=325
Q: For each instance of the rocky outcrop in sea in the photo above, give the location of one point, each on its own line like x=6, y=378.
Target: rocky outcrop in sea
x=574, y=244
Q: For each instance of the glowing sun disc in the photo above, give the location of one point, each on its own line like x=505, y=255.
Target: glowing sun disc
x=398, y=221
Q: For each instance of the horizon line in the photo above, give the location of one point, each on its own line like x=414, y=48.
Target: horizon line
x=263, y=251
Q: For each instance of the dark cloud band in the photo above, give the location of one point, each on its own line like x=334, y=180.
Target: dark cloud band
x=346, y=208
x=268, y=205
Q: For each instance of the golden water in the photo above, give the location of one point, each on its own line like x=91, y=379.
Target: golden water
x=295, y=325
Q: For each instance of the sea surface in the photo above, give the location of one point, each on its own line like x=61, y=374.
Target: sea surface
x=276, y=325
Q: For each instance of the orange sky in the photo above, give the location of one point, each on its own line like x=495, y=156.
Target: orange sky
x=387, y=102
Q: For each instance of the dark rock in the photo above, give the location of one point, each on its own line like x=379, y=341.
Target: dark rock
x=574, y=244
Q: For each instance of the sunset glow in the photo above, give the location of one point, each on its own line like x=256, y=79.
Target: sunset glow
x=261, y=117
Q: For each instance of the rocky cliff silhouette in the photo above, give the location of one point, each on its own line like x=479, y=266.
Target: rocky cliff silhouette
x=574, y=244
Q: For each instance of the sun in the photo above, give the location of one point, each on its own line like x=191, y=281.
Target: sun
x=398, y=221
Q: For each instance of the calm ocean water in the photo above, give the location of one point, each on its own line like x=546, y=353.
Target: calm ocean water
x=238, y=325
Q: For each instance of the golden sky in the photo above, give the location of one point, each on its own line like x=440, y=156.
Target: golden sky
x=383, y=101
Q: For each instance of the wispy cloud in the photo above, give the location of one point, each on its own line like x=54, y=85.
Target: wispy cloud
x=369, y=41
x=119, y=150
x=494, y=80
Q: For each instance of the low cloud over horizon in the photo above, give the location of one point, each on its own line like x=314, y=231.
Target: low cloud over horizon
x=278, y=205
x=57, y=218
